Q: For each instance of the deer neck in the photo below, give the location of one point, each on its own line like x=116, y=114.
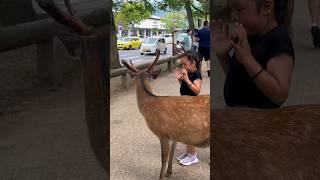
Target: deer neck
x=144, y=92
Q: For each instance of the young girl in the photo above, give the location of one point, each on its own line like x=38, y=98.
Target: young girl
x=259, y=72
x=190, y=80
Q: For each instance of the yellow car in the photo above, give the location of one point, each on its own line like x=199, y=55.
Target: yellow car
x=129, y=43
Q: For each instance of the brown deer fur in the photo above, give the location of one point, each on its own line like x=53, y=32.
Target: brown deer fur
x=252, y=144
x=178, y=119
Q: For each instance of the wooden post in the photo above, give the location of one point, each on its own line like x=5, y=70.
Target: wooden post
x=170, y=66
x=51, y=58
x=124, y=81
x=44, y=58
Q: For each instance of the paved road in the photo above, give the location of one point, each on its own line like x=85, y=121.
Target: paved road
x=137, y=58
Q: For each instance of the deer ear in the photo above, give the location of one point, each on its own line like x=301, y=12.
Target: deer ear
x=155, y=73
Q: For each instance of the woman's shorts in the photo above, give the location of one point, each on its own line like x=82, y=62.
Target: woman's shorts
x=204, y=52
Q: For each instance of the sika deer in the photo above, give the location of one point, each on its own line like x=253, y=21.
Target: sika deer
x=171, y=118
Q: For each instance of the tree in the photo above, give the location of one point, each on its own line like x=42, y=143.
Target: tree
x=131, y=12
x=201, y=10
x=193, y=8
x=114, y=56
x=187, y=5
x=174, y=20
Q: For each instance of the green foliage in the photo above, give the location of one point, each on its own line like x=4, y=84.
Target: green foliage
x=200, y=8
x=131, y=12
x=171, y=5
x=179, y=17
x=116, y=5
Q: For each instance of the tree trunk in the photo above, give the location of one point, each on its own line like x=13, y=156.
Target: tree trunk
x=114, y=56
x=189, y=13
x=207, y=9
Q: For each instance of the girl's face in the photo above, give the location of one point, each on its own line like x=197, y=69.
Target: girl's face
x=246, y=13
x=188, y=65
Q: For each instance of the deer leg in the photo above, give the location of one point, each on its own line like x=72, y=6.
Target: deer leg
x=165, y=148
x=173, y=148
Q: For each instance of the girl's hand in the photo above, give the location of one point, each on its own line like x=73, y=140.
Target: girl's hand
x=242, y=47
x=185, y=76
x=178, y=73
x=221, y=42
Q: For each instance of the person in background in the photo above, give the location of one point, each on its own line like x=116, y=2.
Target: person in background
x=203, y=36
x=186, y=40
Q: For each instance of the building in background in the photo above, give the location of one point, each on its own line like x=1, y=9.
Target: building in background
x=146, y=28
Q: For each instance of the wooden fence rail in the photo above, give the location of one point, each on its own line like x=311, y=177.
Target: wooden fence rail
x=123, y=71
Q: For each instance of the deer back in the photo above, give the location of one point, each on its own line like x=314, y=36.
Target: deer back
x=183, y=118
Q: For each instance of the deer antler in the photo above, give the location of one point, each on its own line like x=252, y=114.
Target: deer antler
x=154, y=62
x=131, y=67
x=62, y=17
x=136, y=70
x=182, y=52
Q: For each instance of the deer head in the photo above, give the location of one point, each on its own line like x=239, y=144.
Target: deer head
x=148, y=73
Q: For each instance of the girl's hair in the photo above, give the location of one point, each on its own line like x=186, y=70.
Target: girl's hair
x=193, y=55
x=280, y=10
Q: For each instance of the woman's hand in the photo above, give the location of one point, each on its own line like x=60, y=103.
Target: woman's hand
x=221, y=42
x=242, y=47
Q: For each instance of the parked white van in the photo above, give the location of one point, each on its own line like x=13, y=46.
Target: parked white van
x=151, y=44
